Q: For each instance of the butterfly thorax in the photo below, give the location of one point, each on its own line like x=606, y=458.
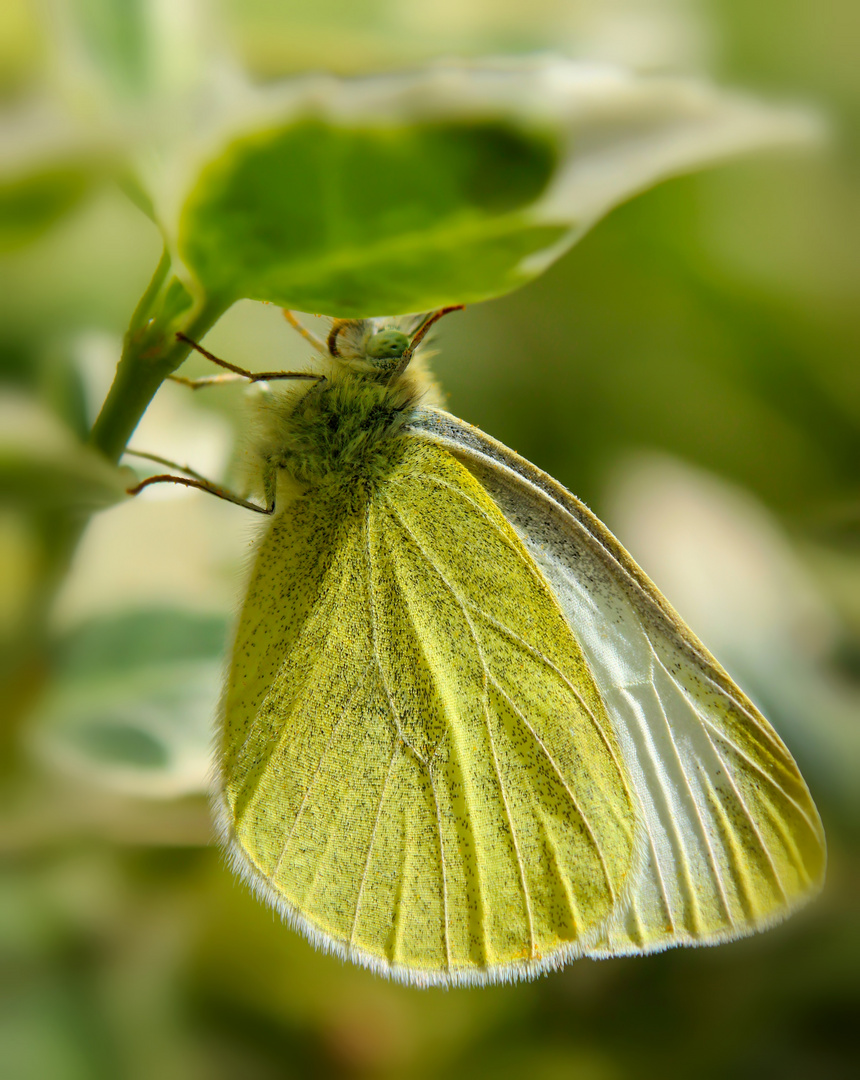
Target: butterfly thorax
x=346, y=432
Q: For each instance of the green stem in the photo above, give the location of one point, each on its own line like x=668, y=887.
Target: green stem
x=147, y=301
x=151, y=353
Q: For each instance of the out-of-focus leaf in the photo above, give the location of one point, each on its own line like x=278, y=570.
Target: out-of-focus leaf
x=115, y=37
x=50, y=162
x=134, y=702
x=43, y=464
x=130, y=185
x=455, y=184
x=22, y=44
x=133, y=51
x=30, y=205
x=278, y=38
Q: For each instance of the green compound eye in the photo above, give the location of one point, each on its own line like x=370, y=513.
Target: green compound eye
x=387, y=345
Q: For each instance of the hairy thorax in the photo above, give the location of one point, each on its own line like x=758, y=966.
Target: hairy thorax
x=345, y=432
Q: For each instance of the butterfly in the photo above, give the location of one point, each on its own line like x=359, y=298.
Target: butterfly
x=464, y=739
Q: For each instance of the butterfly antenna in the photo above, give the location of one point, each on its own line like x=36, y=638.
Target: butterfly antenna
x=308, y=335
x=421, y=333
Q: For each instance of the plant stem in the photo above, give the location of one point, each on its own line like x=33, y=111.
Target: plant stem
x=151, y=353
x=147, y=301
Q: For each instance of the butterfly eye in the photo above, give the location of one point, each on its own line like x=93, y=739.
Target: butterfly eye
x=386, y=345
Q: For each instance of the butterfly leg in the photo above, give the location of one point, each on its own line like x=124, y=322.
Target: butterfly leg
x=195, y=480
x=251, y=376
x=208, y=380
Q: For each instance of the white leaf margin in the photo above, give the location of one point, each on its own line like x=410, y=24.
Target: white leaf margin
x=619, y=132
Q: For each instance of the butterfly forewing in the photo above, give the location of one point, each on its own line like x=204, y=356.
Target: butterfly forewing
x=730, y=838
x=418, y=768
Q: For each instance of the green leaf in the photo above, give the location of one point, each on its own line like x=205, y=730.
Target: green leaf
x=135, y=53
x=454, y=184
x=50, y=161
x=115, y=37
x=134, y=701
x=31, y=204
x=385, y=217
x=42, y=464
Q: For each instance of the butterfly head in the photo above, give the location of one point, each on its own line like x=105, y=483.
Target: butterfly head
x=376, y=347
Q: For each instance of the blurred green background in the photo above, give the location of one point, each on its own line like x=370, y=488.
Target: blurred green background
x=690, y=370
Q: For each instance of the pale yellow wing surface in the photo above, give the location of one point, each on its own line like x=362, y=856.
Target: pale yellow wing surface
x=416, y=766
x=728, y=838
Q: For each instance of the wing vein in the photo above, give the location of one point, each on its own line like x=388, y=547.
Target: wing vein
x=520, y=868
x=554, y=855
x=463, y=603
x=557, y=671
x=446, y=926
x=698, y=813
x=741, y=802
x=666, y=790
x=372, y=606
x=661, y=881
x=253, y=788
x=485, y=707
x=371, y=842
x=708, y=727
x=559, y=774
x=771, y=780
x=321, y=614
x=733, y=844
x=358, y=686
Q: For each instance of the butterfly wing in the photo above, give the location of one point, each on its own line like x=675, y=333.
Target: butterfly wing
x=416, y=766
x=729, y=839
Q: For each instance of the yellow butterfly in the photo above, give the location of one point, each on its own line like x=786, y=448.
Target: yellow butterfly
x=464, y=739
